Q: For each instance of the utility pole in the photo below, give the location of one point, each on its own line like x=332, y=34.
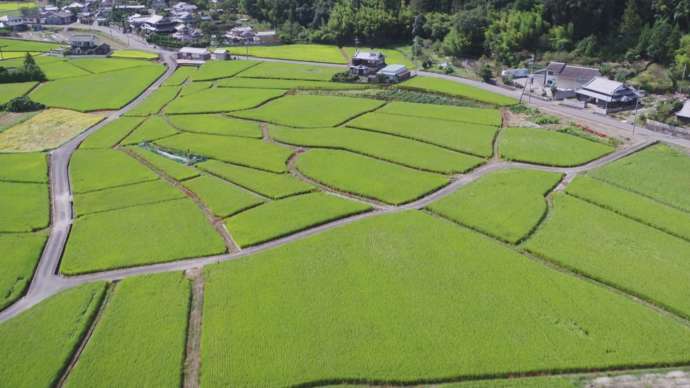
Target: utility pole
x=637, y=104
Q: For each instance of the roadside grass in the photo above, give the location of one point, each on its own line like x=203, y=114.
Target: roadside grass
x=155, y=102
x=246, y=152
x=483, y=116
x=456, y=89
x=149, y=234
x=24, y=207
x=13, y=90
x=223, y=198
x=213, y=70
x=407, y=297
x=506, y=204
x=24, y=167
x=175, y=170
x=138, y=194
x=221, y=100
x=291, y=71
x=140, y=338
x=298, y=52
x=618, y=251
x=635, y=206
x=111, y=90
x=551, y=148
x=194, y=87
x=92, y=170
x=280, y=218
x=111, y=134
x=47, y=130
x=133, y=54
x=285, y=84
x=103, y=65
x=25, y=45
x=20, y=255
x=476, y=139
x=394, y=149
x=393, y=56
x=274, y=186
x=368, y=177
x=49, y=332
x=154, y=128
x=216, y=124
x=180, y=76
x=661, y=172
x=310, y=111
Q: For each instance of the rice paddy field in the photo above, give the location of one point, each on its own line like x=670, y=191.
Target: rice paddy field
x=539, y=146
x=133, y=54
x=14, y=90
x=299, y=52
x=310, y=111
x=253, y=224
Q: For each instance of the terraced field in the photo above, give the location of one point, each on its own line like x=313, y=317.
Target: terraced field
x=221, y=100
x=436, y=85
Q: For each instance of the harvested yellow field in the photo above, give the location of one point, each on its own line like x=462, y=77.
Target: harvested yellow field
x=46, y=130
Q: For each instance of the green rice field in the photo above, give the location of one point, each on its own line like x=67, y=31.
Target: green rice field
x=475, y=139
x=155, y=102
x=375, y=304
x=112, y=133
x=156, y=233
x=246, y=152
x=394, y=149
x=151, y=314
x=13, y=90
x=24, y=167
x=444, y=112
x=92, y=170
x=268, y=184
x=267, y=83
x=310, y=111
x=368, y=177
x=299, y=52
x=195, y=87
x=286, y=216
x=154, y=128
x=456, y=89
x=181, y=75
x=100, y=65
x=216, y=124
x=25, y=45
x=223, y=198
x=138, y=194
x=506, y=204
x=21, y=252
x=48, y=332
x=133, y=54
x=172, y=168
x=290, y=71
x=25, y=207
x=221, y=100
x=213, y=70
x=540, y=146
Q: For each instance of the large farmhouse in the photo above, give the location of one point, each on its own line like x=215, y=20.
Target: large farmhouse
x=366, y=63
x=608, y=95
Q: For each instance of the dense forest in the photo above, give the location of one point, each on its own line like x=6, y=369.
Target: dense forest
x=507, y=31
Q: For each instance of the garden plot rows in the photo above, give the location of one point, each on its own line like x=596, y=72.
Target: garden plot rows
x=25, y=209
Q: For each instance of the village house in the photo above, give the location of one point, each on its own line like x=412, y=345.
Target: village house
x=57, y=17
x=240, y=35
x=562, y=79
x=192, y=56
x=17, y=23
x=87, y=45
x=393, y=74
x=153, y=24
x=365, y=63
x=266, y=38
x=607, y=95
x=221, y=54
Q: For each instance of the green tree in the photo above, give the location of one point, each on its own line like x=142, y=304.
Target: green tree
x=341, y=23
x=513, y=31
x=631, y=25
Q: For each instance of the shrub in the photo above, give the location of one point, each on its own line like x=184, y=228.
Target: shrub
x=345, y=76
x=23, y=104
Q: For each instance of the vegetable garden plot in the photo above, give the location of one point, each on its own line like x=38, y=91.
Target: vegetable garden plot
x=140, y=339
x=175, y=170
x=310, y=111
x=13, y=90
x=216, y=124
x=24, y=207
x=247, y=152
x=155, y=102
x=100, y=169
x=274, y=186
x=660, y=172
x=223, y=198
x=636, y=206
x=125, y=196
x=111, y=90
x=154, y=128
x=221, y=100
x=213, y=70
x=291, y=71
x=618, y=251
x=24, y=167
x=394, y=149
x=368, y=177
x=112, y=133
x=290, y=215
x=476, y=139
x=506, y=204
x=483, y=116
x=540, y=146
x=456, y=89
x=266, y=83
x=20, y=255
x=38, y=343
x=149, y=234
x=395, y=298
